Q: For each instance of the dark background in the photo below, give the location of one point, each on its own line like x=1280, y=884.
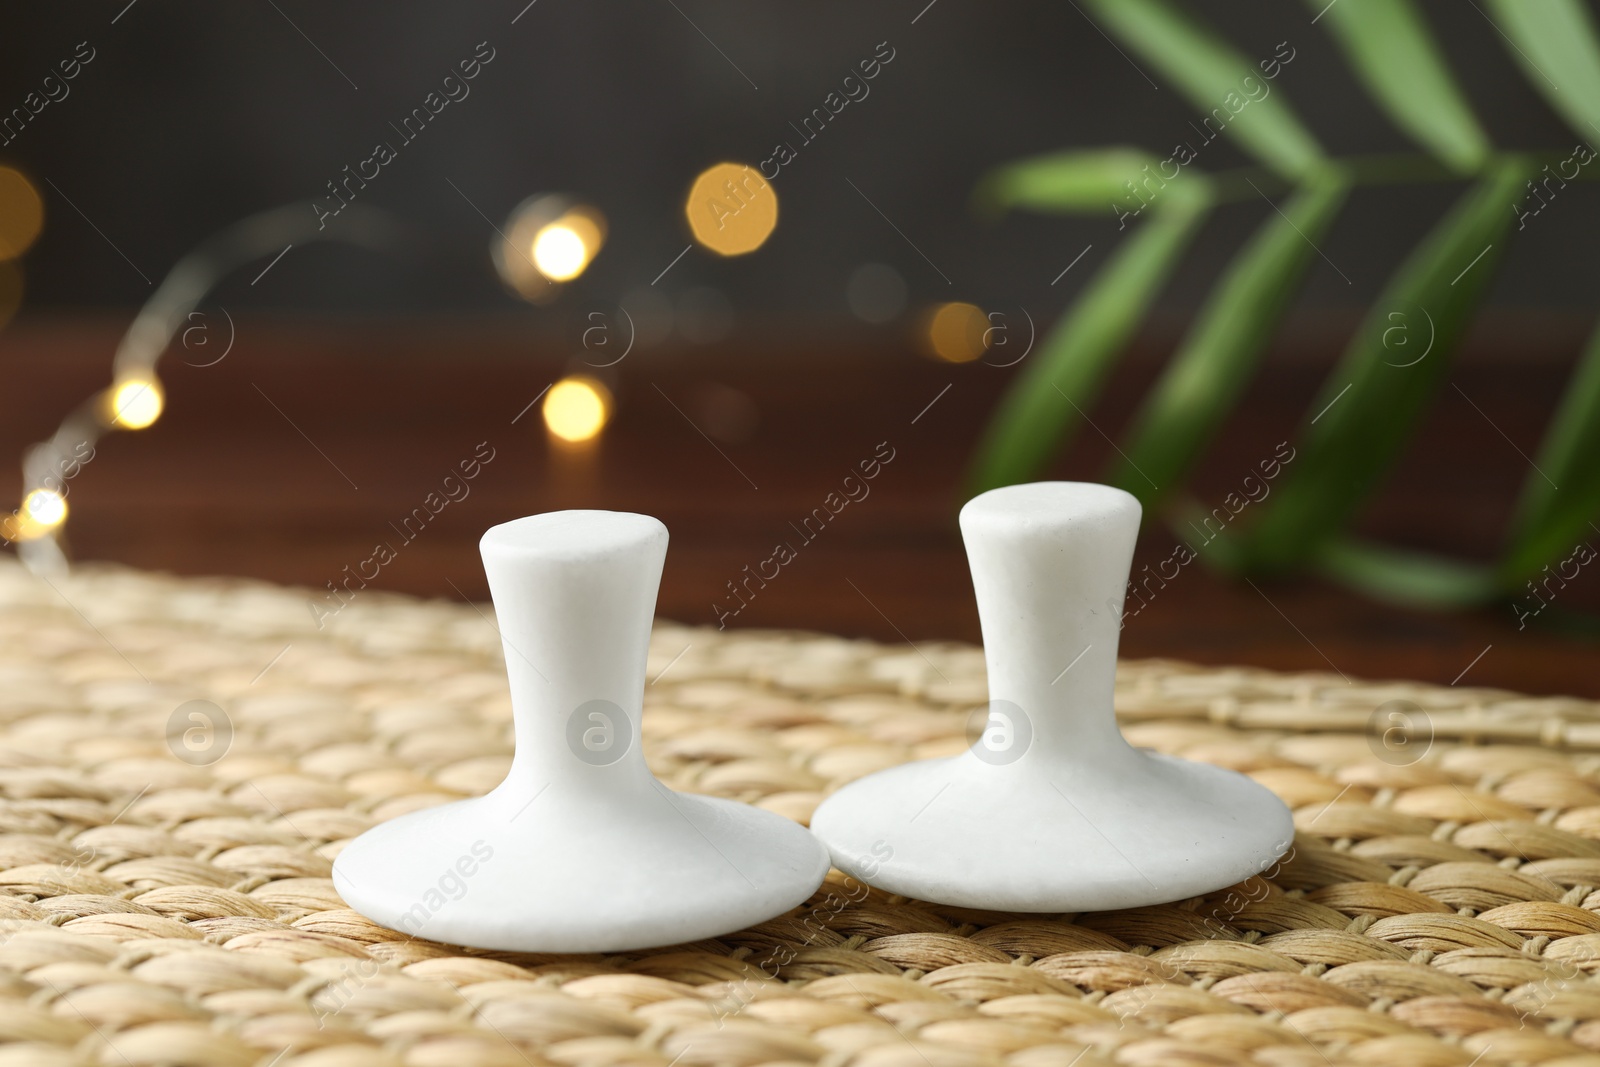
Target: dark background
x=193, y=115
x=383, y=370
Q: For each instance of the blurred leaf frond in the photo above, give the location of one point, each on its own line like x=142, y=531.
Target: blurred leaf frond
x=1399, y=357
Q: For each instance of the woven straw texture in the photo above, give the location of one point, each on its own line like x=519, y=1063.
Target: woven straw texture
x=1440, y=905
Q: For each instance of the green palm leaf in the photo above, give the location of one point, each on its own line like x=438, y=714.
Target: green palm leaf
x=1390, y=369
x=1554, y=41
x=1551, y=521
x=1070, y=182
x=1213, y=364
x=1388, y=44
x=1399, y=576
x=1371, y=401
x=1216, y=79
x=1045, y=402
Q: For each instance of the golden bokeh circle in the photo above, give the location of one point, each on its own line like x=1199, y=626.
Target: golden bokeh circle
x=559, y=253
x=957, y=332
x=577, y=408
x=46, y=507
x=547, y=240
x=731, y=209
x=21, y=213
x=135, y=403
x=42, y=511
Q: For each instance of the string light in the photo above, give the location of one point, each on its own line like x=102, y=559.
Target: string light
x=45, y=507
x=546, y=241
x=135, y=398
x=555, y=239
x=577, y=408
x=136, y=403
x=42, y=511
x=559, y=253
x=956, y=332
x=731, y=209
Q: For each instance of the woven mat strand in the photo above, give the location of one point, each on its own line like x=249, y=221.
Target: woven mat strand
x=1440, y=905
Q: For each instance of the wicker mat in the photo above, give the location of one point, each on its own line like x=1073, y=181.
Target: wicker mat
x=1440, y=905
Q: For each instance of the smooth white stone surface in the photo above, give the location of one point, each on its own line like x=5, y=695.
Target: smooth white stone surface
x=580, y=849
x=1050, y=809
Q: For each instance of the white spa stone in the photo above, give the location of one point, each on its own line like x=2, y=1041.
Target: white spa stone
x=1049, y=809
x=580, y=849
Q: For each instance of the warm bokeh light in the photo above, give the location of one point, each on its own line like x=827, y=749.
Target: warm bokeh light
x=559, y=252
x=589, y=225
x=136, y=403
x=957, y=332
x=21, y=213
x=546, y=240
x=46, y=507
x=42, y=510
x=577, y=408
x=731, y=209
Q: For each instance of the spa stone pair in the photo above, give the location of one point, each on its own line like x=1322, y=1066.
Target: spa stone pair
x=581, y=849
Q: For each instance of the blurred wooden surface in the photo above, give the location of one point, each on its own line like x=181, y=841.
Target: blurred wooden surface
x=291, y=458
